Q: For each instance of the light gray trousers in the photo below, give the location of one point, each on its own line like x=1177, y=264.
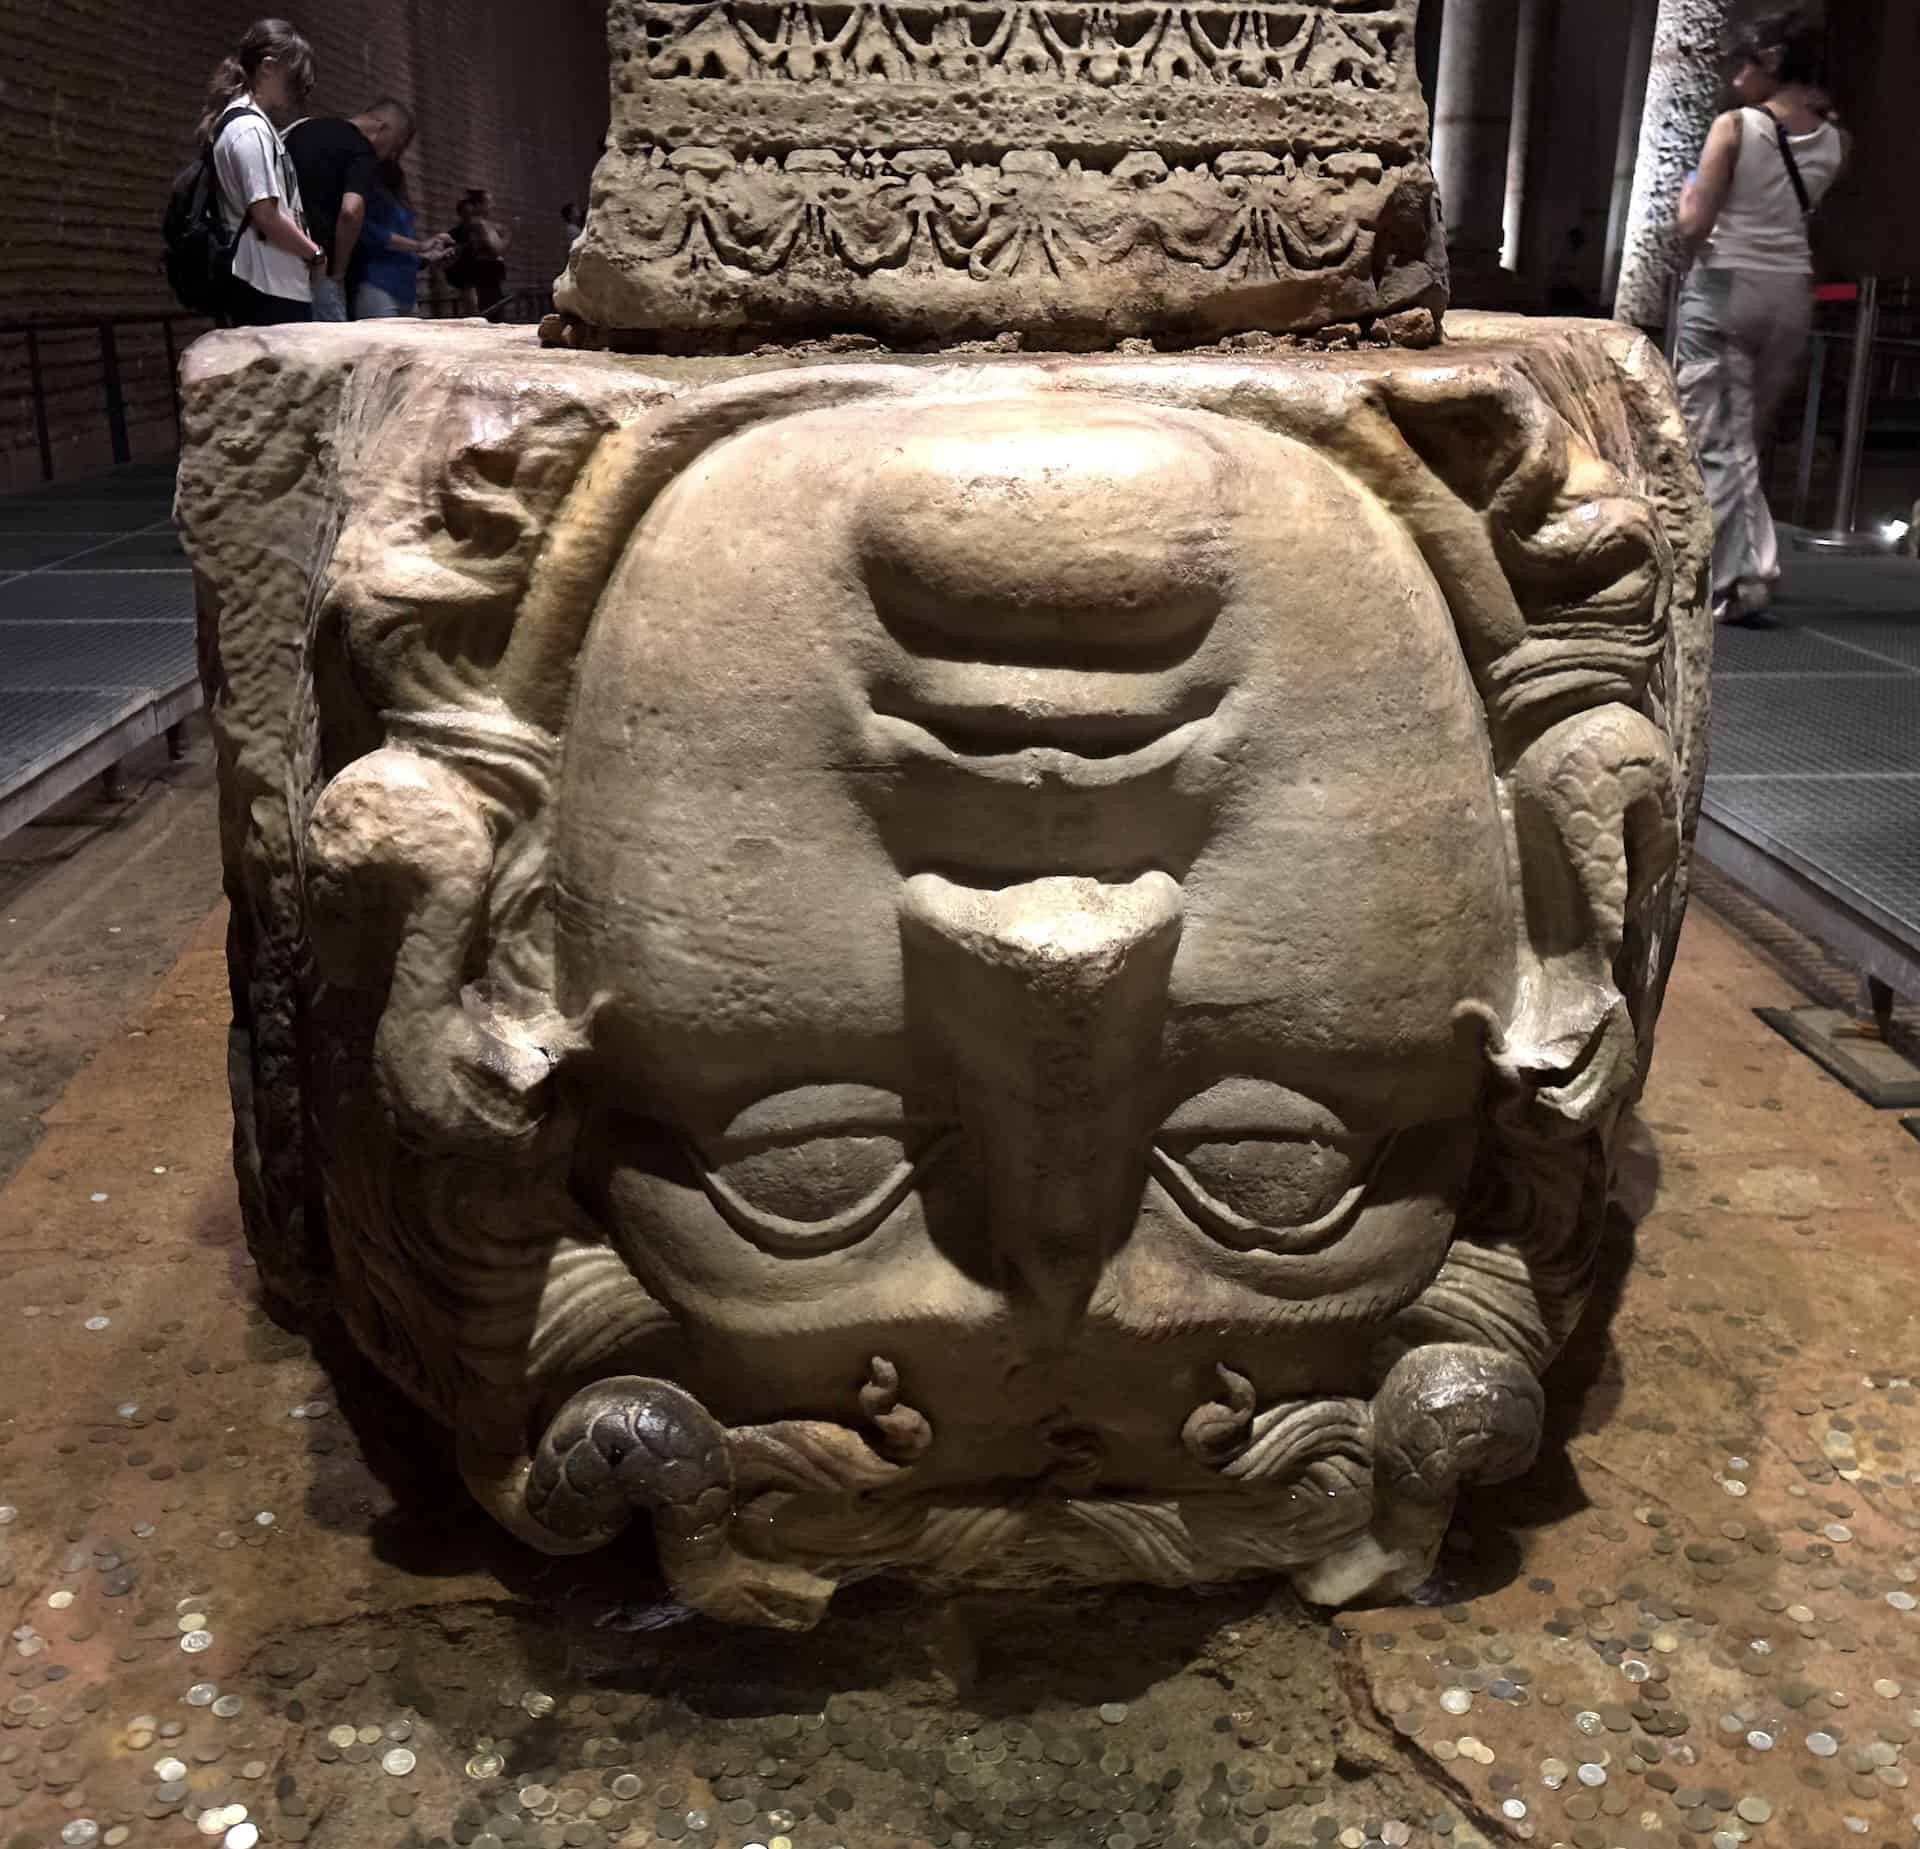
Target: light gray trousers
x=1740, y=336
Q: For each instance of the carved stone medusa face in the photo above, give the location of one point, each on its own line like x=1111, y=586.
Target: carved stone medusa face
x=1042, y=993
x=1030, y=856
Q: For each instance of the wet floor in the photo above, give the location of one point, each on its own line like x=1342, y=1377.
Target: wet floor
x=248, y=1602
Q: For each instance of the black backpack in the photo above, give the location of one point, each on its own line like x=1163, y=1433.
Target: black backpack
x=199, y=248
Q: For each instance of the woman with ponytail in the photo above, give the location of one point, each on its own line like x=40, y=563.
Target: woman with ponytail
x=265, y=80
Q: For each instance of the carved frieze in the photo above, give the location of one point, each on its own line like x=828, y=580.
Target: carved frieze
x=1075, y=172
x=1027, y=41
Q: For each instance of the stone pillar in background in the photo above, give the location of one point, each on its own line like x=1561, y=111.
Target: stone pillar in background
x=1685, y=85
x=1426, y=49
x=1571, y=162
x=1627, y=144
x=1472, y=124
x=1532, y=73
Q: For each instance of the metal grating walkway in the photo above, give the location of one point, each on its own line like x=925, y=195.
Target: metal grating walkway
x=1813, y=784
x=96, y=632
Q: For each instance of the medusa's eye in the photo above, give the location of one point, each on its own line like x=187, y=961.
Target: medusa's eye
x=1261, y=1168
x=1276, y=1194
x=811, y=1170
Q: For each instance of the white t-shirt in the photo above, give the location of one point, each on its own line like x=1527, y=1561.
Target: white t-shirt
x=1761, y=227
x=251, y=162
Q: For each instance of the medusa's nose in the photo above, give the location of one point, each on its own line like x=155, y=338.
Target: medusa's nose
x=1050, y=998
x=1051, y=527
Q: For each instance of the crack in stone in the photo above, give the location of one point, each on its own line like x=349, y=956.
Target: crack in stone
x=1585, y=1460
x=1422, y=1766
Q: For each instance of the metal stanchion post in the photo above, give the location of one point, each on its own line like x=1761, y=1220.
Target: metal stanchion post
x=116, y=398
x=1841, y=537
x=42, y=433
x=1810, y=429
x=173, y=376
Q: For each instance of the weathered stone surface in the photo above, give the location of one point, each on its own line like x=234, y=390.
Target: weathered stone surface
x=1685, y=88
x=1008, y=970
x=946, y=168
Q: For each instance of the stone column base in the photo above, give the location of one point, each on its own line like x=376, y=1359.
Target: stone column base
x=1005, y=969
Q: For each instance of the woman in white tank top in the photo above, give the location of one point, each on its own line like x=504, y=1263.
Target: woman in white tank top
x=1748, y=301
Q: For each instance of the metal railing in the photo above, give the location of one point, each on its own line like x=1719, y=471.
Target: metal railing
x=113, y=388
x=528, y=303
x=525, y=304
x=1825, y=342
x=1871, y=356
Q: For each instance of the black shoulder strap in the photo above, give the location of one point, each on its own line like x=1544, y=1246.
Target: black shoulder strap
x=208, y=178
x=1793, y=166
x=226, y=116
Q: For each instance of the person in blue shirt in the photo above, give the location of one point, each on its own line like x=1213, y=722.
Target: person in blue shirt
x=388, y=257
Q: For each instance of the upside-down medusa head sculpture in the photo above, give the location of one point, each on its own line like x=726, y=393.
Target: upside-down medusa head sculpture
x=1015, y=975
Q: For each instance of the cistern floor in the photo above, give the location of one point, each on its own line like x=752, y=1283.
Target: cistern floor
x=96, y=631
x=238, y=1612
x=1813, y=781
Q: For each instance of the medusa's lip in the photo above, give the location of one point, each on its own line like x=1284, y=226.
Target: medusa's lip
x=1077, y=741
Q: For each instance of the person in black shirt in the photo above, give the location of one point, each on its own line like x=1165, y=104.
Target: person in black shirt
x=338, y=161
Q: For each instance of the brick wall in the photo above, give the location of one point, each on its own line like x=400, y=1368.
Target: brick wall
x=1871, y=222
x=98, y=99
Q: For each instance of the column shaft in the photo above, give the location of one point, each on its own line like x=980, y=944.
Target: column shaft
x=1472, y=126
x=1685, y=89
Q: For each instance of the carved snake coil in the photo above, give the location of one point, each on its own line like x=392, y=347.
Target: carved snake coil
x=1452, y=1413
x=631, y=1443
